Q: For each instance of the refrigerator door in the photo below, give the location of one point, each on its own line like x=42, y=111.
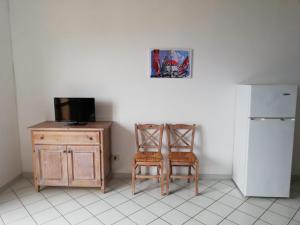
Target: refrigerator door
x=276, y=101
x=270, y=157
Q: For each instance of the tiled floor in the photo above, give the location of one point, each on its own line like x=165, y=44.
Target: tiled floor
x=218, y=203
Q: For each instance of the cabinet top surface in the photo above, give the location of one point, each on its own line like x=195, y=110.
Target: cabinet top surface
x=51, y=125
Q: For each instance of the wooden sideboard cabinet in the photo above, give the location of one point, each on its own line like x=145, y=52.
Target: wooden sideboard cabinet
x=68, y=155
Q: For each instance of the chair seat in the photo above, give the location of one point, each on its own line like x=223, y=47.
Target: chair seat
x=182, y=157
x=148, y=157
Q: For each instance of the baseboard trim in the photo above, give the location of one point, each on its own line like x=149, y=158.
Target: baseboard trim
x=27, y=175
x=202, y=176
x=9, y=183
x=215, y=176
x=121, y=175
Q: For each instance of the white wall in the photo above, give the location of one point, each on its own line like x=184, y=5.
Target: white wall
x=99, y=48
x=10, y=161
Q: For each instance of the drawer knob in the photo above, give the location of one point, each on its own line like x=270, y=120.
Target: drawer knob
x=91, y=138
x=42, y=137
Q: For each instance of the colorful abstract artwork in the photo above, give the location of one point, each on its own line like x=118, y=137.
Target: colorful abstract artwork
x=170, y=63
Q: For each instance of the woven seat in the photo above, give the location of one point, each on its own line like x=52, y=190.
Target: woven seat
x=183, y=157
x=148, y=157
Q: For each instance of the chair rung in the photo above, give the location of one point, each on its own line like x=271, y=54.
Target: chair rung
x=182, y=176
x=147, y=164
x=182, y=164
x=147, y=176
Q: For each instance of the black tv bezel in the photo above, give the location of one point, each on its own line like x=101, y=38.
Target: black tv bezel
x=74, y=122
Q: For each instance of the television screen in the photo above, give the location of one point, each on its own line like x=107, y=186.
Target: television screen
x=74, y=110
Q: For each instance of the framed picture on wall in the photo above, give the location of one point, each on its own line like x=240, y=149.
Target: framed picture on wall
x=170, y=63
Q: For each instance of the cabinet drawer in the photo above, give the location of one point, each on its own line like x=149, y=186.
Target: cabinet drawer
x=62, y=137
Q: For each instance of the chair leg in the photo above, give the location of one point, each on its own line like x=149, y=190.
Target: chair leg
x=171, y=173
x=190, y=173
x=196, y=178
x=168, y=179
x=133, y=178
x=162, y=177
x=158, y=174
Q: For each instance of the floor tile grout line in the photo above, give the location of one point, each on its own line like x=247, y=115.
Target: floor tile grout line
x=14, y=208
x=186, y=200
x=234, y=210
x=82, y=206
x=24, y=207
x=246, y=201
x=252, y=205
x=45, y=199
x=160, y=219
x=247, y=212
x=170, y=211
x=160, y=199
x=226, y=205
x=19, y=189
x=142, y=207
x=286, y=205
x=112, y=207
x=145, y=207
x=126, y=216
x=53, y=206
x=1, y=219
x=192, y=219
x=157, y=200
x=287, y=217
x=177, y=196
x=5, y=201
x=205, y=208
x=259, y=218
x=298, y=210
x=242, y=198
x=259, y=205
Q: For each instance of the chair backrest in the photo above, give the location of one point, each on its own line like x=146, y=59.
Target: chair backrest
x=180, y=136
x=149, y=137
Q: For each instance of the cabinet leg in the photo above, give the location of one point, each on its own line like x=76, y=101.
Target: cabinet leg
x=103, y=190
x=37, y=188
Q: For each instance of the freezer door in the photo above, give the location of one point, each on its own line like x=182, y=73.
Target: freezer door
x=273, y=101
x=270, y=158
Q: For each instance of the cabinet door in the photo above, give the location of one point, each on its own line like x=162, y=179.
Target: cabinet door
x=84, y=166
x=51, y=165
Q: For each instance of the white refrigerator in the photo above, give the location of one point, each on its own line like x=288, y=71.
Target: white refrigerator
x=264, y=138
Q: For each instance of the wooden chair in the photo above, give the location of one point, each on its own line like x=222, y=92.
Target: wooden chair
x=180, y=145
x=149, y=143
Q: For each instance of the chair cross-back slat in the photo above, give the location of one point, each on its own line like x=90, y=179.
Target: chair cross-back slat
x=149, y=136
x=180, y=137
x=175, y=136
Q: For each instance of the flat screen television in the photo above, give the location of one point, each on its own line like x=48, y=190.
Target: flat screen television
x=74, y=110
